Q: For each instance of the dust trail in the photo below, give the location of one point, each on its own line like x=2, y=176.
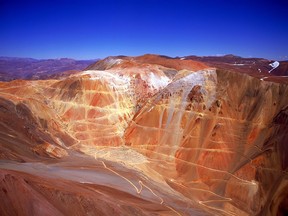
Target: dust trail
x=138, y=191
x=141, y=183
x=203, y=203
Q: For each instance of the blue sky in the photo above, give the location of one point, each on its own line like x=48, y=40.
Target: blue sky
x=96, y=29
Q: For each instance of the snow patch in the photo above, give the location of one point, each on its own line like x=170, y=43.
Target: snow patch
x=274, y=65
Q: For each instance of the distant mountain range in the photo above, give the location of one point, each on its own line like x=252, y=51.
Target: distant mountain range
x=12, y=68
x=28, y=68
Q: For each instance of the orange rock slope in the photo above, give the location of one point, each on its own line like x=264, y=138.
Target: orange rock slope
x=148, y=135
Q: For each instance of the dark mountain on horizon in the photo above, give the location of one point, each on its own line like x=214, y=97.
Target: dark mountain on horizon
x=12, y=68
x=241, y=64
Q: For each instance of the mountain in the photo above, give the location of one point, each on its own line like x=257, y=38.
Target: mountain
x=146, y=135
x=29, y=68
x=252, y=66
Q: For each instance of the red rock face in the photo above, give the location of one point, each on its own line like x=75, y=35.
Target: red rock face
x=149, y=135
x=217, y=135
